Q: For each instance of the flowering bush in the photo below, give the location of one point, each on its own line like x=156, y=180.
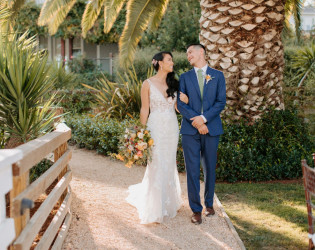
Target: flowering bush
x=135, y=146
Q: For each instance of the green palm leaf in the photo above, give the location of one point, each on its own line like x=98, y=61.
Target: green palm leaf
x=293, y=7
x=139, y=13
x=159, y=13
x=91, y=13
x=111, y=11
x=54, y=12
x=5, y=14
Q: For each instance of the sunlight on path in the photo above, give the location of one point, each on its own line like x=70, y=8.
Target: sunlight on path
x=103, y=220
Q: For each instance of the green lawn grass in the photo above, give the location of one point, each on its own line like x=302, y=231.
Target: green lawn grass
x=267, y=215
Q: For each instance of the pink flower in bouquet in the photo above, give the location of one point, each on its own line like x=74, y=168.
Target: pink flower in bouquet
x=139, y=153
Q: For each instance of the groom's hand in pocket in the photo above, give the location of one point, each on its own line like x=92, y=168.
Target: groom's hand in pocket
x=203, y=129
x=197, y=121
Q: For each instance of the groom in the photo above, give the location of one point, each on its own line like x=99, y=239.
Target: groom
x=201, y=127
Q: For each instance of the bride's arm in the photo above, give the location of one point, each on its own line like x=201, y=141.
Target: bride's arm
x=176, y=107
x=184, y=98
x=145, y=102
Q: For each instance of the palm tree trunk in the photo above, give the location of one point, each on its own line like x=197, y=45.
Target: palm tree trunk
x=243, y=40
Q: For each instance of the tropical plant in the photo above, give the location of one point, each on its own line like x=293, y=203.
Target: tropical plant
x=63, y=79
x=120, y=99
x=242, y=39
x=304, y=61
x=24, y=82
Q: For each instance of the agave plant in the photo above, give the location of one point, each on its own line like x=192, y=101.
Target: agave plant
x=305, y=62
x=63, y=78
x=120, y=99
x=25, y=80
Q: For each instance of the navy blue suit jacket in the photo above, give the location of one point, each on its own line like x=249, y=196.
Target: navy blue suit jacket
x=214, y=99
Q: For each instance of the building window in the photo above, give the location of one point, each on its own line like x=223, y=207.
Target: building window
x=76, y=49
x=43, y=42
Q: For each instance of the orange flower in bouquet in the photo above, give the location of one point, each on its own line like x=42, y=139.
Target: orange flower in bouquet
x=135, y=146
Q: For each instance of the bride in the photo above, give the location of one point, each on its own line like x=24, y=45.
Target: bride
x=159, y=193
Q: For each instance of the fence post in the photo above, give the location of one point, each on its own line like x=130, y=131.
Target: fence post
x=20, y=183
x=57, y=154
x=7, y=227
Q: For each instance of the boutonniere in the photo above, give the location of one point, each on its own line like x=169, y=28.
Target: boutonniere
x=209, y=78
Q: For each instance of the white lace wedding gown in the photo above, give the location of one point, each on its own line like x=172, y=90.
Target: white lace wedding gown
x=159, y=193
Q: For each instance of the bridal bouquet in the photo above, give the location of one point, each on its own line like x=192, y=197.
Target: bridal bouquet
x=135, y=146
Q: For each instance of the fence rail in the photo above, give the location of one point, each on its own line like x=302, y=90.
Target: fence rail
x=23, y=194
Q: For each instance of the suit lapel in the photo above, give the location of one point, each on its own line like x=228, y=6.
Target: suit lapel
x=194, y=81
x=208, y=72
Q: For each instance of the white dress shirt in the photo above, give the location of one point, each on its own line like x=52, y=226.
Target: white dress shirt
x=204, y=72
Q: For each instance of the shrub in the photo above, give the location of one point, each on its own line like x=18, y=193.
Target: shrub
x=96, y=133
x=86, y=72
x=39, y=169
x=75, y=101
x=270, y=149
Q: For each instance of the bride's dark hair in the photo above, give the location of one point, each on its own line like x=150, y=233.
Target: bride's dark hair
x=171, y=82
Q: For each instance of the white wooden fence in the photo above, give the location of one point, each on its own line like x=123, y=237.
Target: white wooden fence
x=7, y=231
x=19, y=231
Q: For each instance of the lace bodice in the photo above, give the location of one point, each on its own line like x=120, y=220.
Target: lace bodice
x=158, y=102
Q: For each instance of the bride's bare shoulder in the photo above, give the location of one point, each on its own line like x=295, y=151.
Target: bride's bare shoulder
x=147, y=82
x=146, y=85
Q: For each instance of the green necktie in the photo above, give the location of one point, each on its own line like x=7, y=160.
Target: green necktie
x=200, y=81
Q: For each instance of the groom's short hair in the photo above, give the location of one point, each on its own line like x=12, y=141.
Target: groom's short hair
x=198, y=45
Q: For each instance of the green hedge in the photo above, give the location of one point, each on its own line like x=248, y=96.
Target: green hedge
x=270, y=149
x=39, y=169
x=96, y=133
x=75, y=101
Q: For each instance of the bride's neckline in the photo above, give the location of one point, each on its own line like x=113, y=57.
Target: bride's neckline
x=151, y=83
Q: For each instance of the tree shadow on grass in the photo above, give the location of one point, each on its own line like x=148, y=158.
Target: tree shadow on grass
x=257, y=237
x=277, y=199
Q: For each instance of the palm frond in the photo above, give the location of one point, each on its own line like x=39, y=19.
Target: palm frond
x=139, y=13
x=294, y=7
x=54, y=12
x=111, y=11
x=158, y=15
x=5, y=14
x=15, y=5
x=91, y=13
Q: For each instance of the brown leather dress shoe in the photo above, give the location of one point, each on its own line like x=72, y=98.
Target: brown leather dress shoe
x=196, y=218
x=209, y=211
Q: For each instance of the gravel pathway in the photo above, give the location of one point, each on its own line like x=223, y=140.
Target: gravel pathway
x=103, y=220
